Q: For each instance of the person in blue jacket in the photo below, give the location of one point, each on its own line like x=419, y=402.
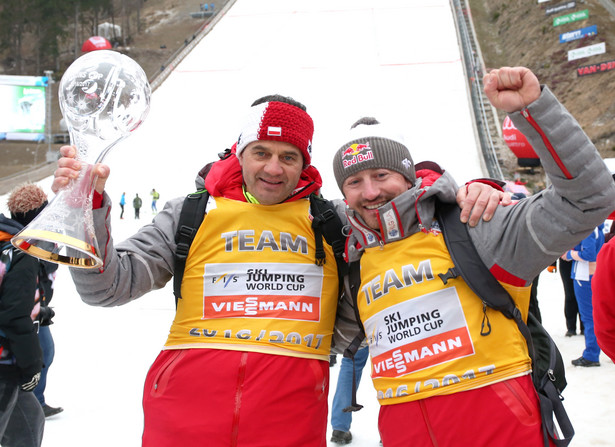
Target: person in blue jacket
x=584, y=256
x=122, y=203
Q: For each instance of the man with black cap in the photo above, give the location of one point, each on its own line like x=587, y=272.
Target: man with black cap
x=246, y=361
x=21, y=416
x=439, y=378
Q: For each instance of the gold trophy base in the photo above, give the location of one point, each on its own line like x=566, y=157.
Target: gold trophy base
x=32, y=242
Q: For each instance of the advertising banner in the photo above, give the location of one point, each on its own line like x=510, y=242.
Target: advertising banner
x=578, y=34
x=561, y=7
x=572, y=17
x=600, y=67
x=591, y=50
x=22, y=107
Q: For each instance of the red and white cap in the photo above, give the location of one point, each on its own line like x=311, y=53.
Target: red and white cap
x=278, y=121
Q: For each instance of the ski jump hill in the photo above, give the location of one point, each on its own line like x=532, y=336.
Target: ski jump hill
x=396, y=60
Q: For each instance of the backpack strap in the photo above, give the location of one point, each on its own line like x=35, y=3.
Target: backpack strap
x=326, y=222
x=351, y=286
x=468, y=265
x=190, y=219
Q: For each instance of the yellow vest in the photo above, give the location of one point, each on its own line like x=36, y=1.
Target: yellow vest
x=251, y=283
x=425, y=337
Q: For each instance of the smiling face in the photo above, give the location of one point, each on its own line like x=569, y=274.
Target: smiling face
x=271, y=170
x=369, y=189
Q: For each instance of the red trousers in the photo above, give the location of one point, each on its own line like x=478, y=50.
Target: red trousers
x=503, y=414
x=221, y=398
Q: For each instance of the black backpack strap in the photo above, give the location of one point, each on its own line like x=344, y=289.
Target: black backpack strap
x=192, y=214
x=352, y=282
x=472, y=268
x=328, y=224
x=351, y=285
x=468, y=265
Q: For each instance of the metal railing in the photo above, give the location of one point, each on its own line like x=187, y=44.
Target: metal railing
x=485, y=116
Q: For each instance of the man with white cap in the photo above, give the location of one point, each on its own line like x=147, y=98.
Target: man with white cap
x=448, y=370
x=246, y=361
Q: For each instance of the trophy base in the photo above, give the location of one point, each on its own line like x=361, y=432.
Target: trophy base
x=48, y=246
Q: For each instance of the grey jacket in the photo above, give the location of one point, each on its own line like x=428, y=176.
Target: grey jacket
x=525, y=238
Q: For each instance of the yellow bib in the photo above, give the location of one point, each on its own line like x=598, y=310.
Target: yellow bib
x=251, y=283
x=424, y=336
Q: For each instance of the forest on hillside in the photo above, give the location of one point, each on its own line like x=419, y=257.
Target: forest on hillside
x=36, y=35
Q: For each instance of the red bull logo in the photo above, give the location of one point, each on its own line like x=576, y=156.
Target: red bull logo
x=356, y=153
x=354, y=149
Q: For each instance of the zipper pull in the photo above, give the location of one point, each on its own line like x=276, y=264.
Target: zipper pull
x=484, y=331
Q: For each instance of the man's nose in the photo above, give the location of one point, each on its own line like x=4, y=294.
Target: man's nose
x=273, y=166
x=370, y=189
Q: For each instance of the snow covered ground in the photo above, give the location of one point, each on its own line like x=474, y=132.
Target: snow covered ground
x=397, y=60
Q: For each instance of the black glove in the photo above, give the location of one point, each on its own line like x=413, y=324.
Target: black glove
x=28, y=384
x=45, y=315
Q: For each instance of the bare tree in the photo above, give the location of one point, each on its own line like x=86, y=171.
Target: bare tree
x=14, y=24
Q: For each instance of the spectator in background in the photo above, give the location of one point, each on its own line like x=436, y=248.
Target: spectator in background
x=22, y=420
x=155, y=196
x=137, y=203
x=584, y=256
x=122, y=203
x=611, y=231
x=340, y=419
x=603, y=295
x=571, y=307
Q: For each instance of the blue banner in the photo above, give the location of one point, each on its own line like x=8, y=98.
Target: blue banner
x=578, y=34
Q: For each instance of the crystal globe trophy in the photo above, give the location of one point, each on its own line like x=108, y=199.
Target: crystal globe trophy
x=104, y=97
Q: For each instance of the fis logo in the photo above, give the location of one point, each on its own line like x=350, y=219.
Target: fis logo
x=226, y=279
